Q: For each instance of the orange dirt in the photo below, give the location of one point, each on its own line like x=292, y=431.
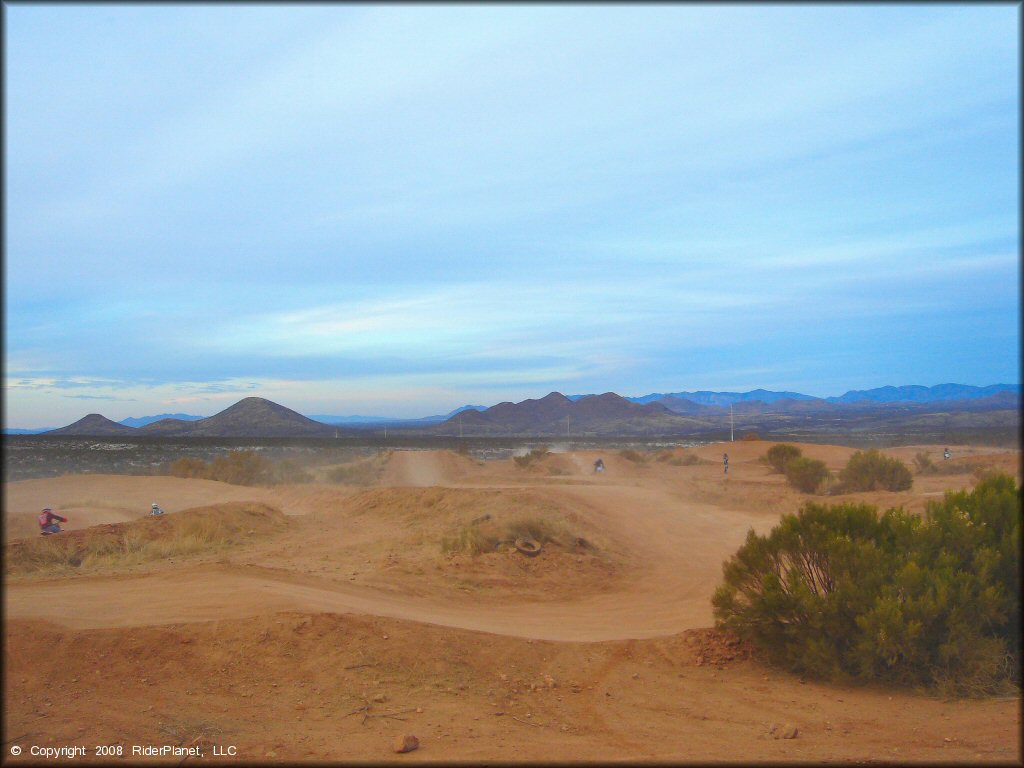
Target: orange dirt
x=324, y=634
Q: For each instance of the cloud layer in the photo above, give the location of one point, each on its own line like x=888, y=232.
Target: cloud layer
x=413, y=207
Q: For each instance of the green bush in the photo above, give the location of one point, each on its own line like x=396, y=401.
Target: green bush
x=842, y=592
x=779, y=455
x=873, y=471
x=807, y=475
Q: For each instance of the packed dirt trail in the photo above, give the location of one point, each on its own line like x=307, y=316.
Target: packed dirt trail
x=350, y=604
x=682, y=548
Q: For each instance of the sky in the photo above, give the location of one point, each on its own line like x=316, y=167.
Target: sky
x=401, y=209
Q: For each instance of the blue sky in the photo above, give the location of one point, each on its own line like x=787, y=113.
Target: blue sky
x=401, y=209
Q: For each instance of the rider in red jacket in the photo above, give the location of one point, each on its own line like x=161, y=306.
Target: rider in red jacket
x=46, y=518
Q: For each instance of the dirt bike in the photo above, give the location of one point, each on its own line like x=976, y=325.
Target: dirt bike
x=51, y=533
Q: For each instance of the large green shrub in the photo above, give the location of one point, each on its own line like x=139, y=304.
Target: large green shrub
x=780, y=454
x=807, y=475
x=843, y=592
x=874, y=471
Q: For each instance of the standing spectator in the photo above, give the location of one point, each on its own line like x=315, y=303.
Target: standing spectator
x=725, y=462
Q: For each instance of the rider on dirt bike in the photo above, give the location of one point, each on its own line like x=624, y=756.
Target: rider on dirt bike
x=46, y=524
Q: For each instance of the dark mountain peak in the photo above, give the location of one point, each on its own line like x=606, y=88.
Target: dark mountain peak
x=259, y=417
x=94, y=425
x=554, y=397
x=168, y=427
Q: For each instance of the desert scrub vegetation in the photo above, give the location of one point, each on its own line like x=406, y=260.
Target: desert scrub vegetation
x=632, y=455
x=240, y=468
x=844, y=593
x=779, y=455
x=874, y=471
x=807, y=475
x=362, y=472
x=686, y=460
x=534, y=455
x=491, y=535
x=144, y=540
x=924, y=465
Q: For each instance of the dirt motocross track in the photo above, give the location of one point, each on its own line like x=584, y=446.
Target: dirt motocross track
x=355, y=617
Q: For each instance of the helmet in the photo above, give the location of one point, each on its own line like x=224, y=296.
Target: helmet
x=155, y=505
x=47, y=509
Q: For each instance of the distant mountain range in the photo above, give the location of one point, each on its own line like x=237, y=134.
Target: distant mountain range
x=144, y=420
x=907, y=394
x=351, y=420
x=557, y=414
x=250, y=417
x=676, y=413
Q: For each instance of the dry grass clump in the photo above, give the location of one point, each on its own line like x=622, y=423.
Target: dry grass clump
x=144, y=540
x=470, y=540
x=491, y=535
x=535, y=454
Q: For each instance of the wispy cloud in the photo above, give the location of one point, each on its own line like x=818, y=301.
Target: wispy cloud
x=453, y=197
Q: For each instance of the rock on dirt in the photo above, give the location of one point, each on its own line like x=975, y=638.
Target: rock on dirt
x=784, y=731
x=406, y=742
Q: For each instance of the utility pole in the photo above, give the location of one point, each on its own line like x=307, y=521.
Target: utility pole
x=732, y=426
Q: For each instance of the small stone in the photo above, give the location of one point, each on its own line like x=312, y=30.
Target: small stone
x=788, y=731
x=271, y=753
x=380, y=698
x=419, y=710
x=406, y=743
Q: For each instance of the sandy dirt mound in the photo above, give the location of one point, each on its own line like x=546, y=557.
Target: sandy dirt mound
x=88, y=500
x=114, y=545
x=370, y=612
x=314, y=687
x=428, y=468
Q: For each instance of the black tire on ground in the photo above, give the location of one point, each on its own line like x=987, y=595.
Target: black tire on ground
x=529, y=547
